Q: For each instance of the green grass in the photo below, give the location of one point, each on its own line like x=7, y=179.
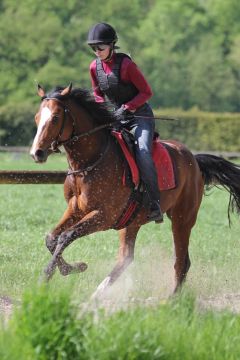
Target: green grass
x=23, y=161
x=29, y=212
x=176, y=330
x=49, y=326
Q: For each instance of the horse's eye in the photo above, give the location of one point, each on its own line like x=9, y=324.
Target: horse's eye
x=55, y=119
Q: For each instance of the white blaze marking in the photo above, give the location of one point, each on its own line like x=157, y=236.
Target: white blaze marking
x=44, y=117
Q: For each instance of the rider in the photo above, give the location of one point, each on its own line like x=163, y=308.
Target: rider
x=116, y=77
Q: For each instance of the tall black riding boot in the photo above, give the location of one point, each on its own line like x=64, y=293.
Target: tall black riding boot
x=155, y=213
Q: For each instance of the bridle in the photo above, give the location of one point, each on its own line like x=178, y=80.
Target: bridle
x=56, y=143
x=54, y=147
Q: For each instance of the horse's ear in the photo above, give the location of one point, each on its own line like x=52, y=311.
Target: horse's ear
x=67, y=90
x=41, y=92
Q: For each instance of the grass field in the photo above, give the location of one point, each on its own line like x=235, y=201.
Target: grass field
x=28, y=212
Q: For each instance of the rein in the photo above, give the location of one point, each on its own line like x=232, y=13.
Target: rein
x=83, y=172
x=56, y=143
x=87, y=133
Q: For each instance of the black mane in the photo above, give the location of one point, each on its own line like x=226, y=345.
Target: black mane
x=84, y=98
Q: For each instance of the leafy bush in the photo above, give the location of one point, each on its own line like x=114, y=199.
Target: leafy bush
x=44, y=328
x=17, y=124
x=198, y=130
x=47, y=327
x=201, y=130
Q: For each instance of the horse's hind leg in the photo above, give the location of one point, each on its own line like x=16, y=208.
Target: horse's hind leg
x=127, y=238
x=181, y=234
x=182, y=224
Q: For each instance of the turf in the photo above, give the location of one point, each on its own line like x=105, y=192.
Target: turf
x=49, y=323
x=49, y=326
x=29, y=212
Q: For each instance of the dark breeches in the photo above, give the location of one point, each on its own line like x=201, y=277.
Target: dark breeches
x=142, y=129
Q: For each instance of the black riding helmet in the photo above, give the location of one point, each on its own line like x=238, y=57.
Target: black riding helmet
x=102, y=33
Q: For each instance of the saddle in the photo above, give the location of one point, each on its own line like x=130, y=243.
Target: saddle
x=161, y=158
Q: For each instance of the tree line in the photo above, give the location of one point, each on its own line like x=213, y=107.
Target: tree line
x=189, y=50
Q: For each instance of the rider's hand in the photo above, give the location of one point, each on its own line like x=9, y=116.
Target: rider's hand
x=123, y=115
x=120, y=113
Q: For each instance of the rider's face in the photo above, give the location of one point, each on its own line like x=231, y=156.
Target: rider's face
x=102, y=51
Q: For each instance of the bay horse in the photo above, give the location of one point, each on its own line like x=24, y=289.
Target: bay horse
x=94, y=191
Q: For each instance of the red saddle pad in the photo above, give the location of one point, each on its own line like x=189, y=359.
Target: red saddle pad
x=164, y=166
x=161, y=158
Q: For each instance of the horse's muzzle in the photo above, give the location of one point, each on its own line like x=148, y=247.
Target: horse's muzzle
x=39, y=155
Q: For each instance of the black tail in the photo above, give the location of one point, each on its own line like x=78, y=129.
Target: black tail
x=218, y=171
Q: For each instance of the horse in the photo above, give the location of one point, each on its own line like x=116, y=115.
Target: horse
x=95, y=195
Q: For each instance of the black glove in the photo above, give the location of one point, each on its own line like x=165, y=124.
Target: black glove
x=123, y=115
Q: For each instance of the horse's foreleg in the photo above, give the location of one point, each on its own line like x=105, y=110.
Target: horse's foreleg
x=125, y=257
x=64, y=267
x=88, y=224
x=71, y=216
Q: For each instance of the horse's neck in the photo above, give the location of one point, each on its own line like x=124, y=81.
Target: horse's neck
x=87, y=149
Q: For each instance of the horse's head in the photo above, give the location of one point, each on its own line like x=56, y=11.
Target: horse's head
x=54, y=124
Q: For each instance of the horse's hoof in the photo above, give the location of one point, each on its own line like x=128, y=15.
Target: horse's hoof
x=47, y=275
x=73, y=269
x=80, y=267
x=101, y=289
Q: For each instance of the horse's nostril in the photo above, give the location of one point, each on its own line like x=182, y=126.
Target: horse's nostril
x=40, y=155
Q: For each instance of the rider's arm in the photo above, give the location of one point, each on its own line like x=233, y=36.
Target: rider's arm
x=131, y=73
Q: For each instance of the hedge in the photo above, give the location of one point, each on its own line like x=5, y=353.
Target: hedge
x=198, y=130
x=201, y=130
x=17, y=126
